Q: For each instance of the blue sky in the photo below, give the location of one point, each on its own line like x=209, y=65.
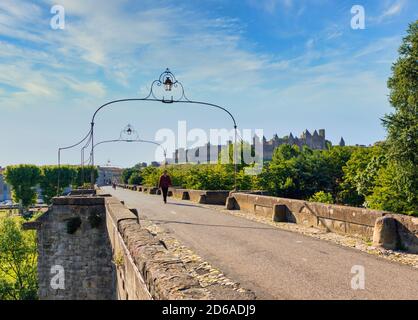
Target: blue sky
x=278, y=65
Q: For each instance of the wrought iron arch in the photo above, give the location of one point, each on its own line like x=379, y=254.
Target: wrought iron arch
x=167, y=80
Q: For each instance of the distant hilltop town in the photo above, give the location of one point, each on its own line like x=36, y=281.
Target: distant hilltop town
x=315, y=141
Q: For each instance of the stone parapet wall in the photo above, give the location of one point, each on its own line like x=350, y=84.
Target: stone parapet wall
x=145, y=269
x=104, y=254
x=199, y=196
x=82, y=192
x=353, y=221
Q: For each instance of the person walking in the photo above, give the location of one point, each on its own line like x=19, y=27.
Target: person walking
x=164, y=184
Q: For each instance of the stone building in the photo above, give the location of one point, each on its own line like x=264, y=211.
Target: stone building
x=210, y=154
x=108, y=175
x=5, y=190
x=315, y=141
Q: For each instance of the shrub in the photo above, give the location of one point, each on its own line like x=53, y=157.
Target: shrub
x=322, y=197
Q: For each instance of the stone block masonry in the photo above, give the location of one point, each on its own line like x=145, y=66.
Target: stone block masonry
x=388, y=230
x=145, y=269
x=104, y=253
x=216, y=197
x=74, y=252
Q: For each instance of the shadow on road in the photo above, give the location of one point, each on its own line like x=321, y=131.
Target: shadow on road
x=183, y=205
x=209, y=225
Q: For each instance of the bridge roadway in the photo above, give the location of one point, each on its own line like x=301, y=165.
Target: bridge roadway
x=274, y=263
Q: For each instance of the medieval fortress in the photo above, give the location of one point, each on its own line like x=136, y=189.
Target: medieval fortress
x=315, y=141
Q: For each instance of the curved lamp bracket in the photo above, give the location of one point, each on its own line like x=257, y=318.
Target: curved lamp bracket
x=168, y=83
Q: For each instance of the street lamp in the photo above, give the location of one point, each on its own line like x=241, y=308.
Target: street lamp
x=130, y=131
x=168, y=84
x=127, y=132
x=169, y=81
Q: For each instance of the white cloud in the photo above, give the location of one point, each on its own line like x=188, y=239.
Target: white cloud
x=386, y=45
x=110, y=49
x=129, y=45
x=17, y=17
x=18, y=11
x=91, y=88
x=395, y=8
x=125, y=44
x=270, y=6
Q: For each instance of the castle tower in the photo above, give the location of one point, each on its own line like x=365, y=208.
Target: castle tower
x=308, y=138
x=291, y=139
x=276, y=140
x=316, y=141
x=256, y=139
x=342, y=142
x=323, y=144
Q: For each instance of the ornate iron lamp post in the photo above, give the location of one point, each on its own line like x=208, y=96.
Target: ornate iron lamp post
x=170, y=83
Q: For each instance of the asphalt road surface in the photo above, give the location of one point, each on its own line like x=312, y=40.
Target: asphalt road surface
x=274, y=263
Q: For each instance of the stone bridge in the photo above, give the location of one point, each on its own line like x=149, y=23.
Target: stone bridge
x=127, y=244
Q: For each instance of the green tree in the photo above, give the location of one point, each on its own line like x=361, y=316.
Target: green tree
x=355, y=186
x=150, y=176
x=312, y=173
x=366, y=179
x=278, y=176
x=299, y=174
x=178, y=173
x=335, y=159
x=82, y=176
x=135, y=178
x=18, y=266
x=126, y=174
x=389, y=191
x=322, y=197
x=402, y=124
x=49, y=180
x=23, y=179
x=246, y=181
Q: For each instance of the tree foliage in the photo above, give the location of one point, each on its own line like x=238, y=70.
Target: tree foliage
x=402, y=124
x=135, y=178
x=82, y=175
x=23, y=179
x=126, y=174
x=402, y=127
x=322, y=197
x=18, y=256
x=49, y=180
x=299, y=174
x=360, y=173
x=357, y=176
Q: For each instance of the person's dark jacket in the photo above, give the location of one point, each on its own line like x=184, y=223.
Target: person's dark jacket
x=164, y=182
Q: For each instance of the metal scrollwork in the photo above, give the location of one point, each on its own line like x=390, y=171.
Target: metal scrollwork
x=129, y=134
x=170, y=84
